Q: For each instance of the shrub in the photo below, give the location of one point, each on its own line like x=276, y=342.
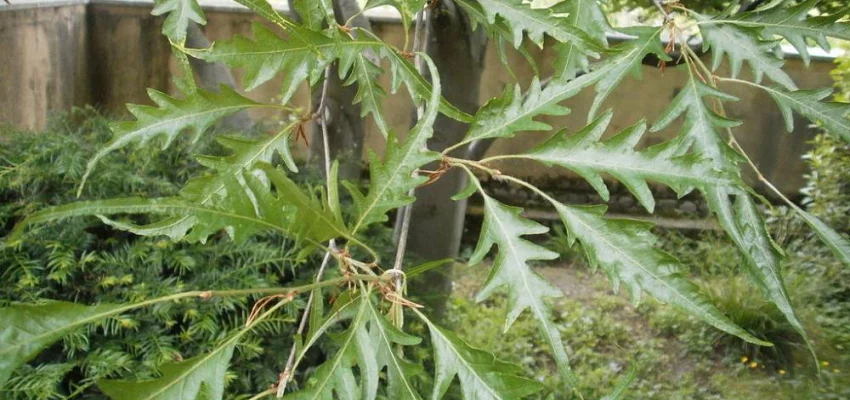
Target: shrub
x=80, y=260
x=247, y=193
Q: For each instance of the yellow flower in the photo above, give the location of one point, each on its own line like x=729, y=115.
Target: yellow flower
x=744, y=359
x=782, y=372
x=836, y=370
x=825, y=363
x=754, y=364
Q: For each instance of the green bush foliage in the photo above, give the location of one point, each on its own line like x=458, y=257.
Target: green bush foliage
x=80, y=260
x=247, y=193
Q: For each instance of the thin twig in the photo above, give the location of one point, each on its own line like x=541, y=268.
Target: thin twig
x=661, y=8
x=420, y=36
x=322, y=114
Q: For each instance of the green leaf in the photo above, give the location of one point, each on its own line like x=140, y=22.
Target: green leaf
x=500, y=31
x=28, y=329
x=743, y=45
x=303, y=56
x=761, y=252
x=504, y=116
x=741, y=219
x=700, y=123
x=625, y=249
x=481, y=375
x=392, y=178
x=336, y=375
x=629, y=57
x=504, y=227
x=810, y=104
x=180, y=13
x=520, y=17
x=406, y=8
x=839, y=245
x=369, y=94
x=244, y=211
x=311, y=13
x=403, y=71
x=196, y=113
x=211, y=189
x=264, y=9
x=584, y=154
x=588, y=16
x=386, y=341
x=198, y=378
x=793, y=24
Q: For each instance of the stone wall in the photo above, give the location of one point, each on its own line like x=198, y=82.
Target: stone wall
x=107, y=53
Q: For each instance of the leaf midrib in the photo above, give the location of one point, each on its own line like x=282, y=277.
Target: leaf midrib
x=644, y=173
x=655, y=277
x=386, y=340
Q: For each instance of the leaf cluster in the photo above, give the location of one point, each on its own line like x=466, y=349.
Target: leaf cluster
x=249, y=190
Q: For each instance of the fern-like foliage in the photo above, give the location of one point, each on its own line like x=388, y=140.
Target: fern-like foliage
x=587, y=16
x=180, y=14
x=482, y=376
x=514, y=111
x=245, y=194
x=733, y=205
x=504, y=228
x=395, y=176
x=740, y=45
x=268, y=55
x=585, y=154
x=794, y=24
x=625, y=250
x=196, y=113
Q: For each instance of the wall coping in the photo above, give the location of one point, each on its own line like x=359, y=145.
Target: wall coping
x=378, y=14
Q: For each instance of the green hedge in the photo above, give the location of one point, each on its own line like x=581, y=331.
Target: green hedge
x=82, y=260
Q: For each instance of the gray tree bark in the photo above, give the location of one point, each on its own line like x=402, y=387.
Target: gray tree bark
x=346, y=128
x=437, y=221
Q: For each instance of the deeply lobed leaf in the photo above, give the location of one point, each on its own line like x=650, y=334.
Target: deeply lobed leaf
x=585, y=154
x=513, y=112
x=521, y=19
x=200, y=377
x=244, y=211
x=735, y=209
x=196, y=113
x=504, y=227
x=626, y=251
x=180, y=14
x=743, y=44
x=481, y=375
x=392, y=178
x=587, y=16
x=305, y=53
x=810, y=104
x=794, y=24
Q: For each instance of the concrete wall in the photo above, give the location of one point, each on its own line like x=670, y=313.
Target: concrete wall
x=107, y=54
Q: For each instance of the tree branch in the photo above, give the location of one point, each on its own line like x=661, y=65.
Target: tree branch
x=420, y=36
x=322, y=114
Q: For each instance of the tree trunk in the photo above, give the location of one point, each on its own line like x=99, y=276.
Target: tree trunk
x=346, y=130
x=437, y=221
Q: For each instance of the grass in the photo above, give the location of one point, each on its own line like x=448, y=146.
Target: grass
x=678, y=356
